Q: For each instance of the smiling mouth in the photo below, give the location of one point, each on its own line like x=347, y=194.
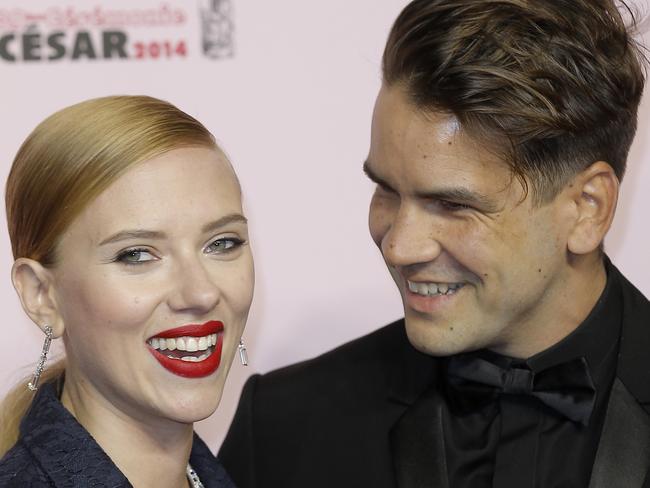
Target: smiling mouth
x=185, y=348
x=428, y=289
x=191, y=351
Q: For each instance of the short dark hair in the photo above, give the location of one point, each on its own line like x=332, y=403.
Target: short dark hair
x=552, y=85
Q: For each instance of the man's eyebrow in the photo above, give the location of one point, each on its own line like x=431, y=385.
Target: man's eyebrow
x=154, y=234
x=453, y=194
x=374, y=177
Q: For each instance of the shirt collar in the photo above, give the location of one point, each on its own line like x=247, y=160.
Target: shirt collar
x=596, y=338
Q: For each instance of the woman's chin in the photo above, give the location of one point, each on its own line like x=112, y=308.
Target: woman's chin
x=189, y=411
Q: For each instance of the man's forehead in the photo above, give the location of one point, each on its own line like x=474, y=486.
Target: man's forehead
x=430, y=155
x=398, y=122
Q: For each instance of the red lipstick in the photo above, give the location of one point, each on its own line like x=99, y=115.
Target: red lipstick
x=190, y=369
x=194, y=330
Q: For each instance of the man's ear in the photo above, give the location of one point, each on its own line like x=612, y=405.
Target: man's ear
x=594, y=192
x=34, y=285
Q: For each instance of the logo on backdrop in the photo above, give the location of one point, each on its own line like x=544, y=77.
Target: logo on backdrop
x=217, y=28
x=108, y=33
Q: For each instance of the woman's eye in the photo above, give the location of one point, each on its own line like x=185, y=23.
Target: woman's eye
x=134, y=256
x=224, y=245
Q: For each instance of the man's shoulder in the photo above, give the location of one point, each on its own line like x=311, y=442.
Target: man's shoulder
x=373, y=354
x=635, y=301
x=633, y=362
x=372, y=346
x=312, y=420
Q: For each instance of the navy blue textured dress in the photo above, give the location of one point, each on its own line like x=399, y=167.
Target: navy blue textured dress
x=54, y=450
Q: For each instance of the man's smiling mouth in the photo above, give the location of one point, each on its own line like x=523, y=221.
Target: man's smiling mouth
x=427, y=289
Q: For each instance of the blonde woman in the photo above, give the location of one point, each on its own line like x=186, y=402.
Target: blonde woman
x=130, y=245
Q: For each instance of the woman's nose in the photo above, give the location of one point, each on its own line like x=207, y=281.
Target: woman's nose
x=194, y=288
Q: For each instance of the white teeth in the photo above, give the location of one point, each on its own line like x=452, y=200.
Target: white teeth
x=192, y=344
x=192, y=359
x=431, y=289
x=186, y=343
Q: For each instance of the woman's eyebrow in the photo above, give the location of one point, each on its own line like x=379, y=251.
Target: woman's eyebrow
x=225, y=220
x=124, y=235
x=128, y=234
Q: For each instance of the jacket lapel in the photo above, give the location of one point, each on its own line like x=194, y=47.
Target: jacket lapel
x=634, y=361
x=63, y=449
x=416, y=438
x=418, y=445
x=623, y=455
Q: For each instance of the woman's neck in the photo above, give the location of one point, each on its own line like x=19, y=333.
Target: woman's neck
x=148, y=451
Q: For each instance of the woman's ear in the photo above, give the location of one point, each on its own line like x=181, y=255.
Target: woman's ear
x=34, y=285
x=595, y=193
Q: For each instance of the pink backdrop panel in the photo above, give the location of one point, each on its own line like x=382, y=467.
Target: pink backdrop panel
x=287, y=87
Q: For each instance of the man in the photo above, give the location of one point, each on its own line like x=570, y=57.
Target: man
x=499, y=138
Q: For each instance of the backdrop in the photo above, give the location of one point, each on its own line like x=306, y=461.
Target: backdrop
x=287, y=87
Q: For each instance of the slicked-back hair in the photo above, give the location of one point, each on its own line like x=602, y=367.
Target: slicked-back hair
x=551, y=85
x=76, y=153
x=67, y=161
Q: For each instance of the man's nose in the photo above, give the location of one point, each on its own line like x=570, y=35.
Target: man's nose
x=194, y=289
x=410, y=239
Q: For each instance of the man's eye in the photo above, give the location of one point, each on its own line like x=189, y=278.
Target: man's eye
x=224, y=244
x=134, y=256
x=452, y=206
x=384, y=189
x=385, y=193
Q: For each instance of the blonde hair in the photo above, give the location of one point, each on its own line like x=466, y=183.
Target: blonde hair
x=64, y=164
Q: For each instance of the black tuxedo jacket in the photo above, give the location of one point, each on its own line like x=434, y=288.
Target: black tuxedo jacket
x=356, y=417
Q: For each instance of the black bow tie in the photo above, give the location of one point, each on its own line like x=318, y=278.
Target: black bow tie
x=566, y=388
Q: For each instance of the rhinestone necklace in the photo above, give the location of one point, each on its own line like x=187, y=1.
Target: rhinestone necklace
x=193, y=477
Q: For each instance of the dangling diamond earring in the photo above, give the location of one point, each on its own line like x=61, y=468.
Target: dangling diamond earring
x=33, y=385
x=243, y=355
